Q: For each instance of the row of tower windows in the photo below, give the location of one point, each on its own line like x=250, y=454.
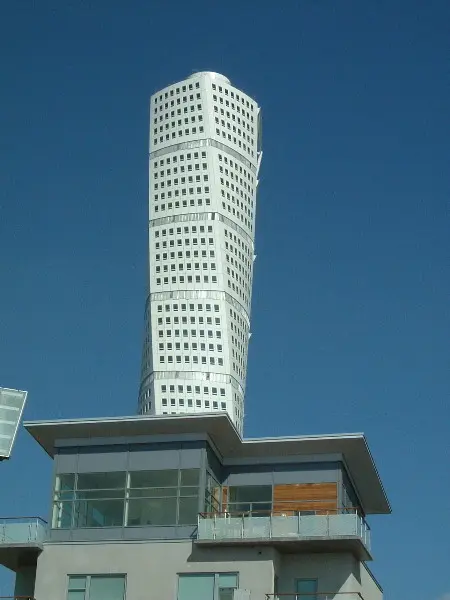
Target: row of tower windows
x=182, y=169
x=165, y=333
x=184, y=192
x=237, y=324
x=176, y=91
x=186, y=110
x=244, y=282
x=197, y=389
x=193, y=346
x=174, y=159
x=244, y=296
x=231, y=174
x=193, y=108
x=231, y=138
x=248, y=202
x=179, y=133
x=189, y=402
x=177, y=102
x=240, y=250
x=242, y=267
x=189, y=279
x=182, y=181
x=181, y=254
x=237, y=213
x=192, y=320
x=178, y=123
x=200, y=307
x=234, y=315
x=234, y=129
x=186, y=229
x=233, y=117
x=187, y=266
x=199, y=202
x=237, y=240
x=241, y=288
x=241, y=255
x=184, y=203
x=188, y=358
x=231, y=105
x=233, y=96
x=202, y=241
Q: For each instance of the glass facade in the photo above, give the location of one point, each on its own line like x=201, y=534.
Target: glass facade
x=117, y=499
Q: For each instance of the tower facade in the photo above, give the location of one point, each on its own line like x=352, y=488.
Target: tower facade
x=205, y=154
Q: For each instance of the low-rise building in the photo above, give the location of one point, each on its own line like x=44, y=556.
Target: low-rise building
x=182, y=508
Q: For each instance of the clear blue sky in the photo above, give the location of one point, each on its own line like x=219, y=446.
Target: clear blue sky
x=351, y=313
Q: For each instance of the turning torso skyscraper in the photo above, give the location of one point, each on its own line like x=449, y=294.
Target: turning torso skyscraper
x=205, y=155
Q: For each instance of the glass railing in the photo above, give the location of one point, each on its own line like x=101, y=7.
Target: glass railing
x=312, y=596
x=22, y=530
x=278, y=525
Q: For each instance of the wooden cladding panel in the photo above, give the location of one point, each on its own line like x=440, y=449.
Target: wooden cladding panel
x=225, y=497
x=305, y=496
x=298, y=497
x=305, y=491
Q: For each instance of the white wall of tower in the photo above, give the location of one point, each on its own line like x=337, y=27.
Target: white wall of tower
x=203, y=172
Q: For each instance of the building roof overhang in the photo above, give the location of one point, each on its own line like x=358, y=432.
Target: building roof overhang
x=220, y=430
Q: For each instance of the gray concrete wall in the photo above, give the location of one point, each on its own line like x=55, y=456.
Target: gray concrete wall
x=370, y=589
x=25, y=580
x=335, y=572
x=151, y=568
x=133, y=457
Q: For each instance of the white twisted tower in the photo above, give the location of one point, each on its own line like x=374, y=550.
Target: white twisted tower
x=205, y=154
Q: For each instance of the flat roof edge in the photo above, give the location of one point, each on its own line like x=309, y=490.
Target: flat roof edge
x=228, y=442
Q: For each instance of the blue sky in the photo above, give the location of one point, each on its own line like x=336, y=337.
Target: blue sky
x=351, y=310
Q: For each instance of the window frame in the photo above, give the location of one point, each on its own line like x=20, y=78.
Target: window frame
x=88, y=578
x=215, y=575
x=68, y=497
x=306, y=595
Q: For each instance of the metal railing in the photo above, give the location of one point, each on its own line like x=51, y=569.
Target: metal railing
x=22, y=530
x=316, y=596
x=287, y=525
x=17, y=598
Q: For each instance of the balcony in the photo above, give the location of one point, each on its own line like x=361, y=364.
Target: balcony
x=21, y=540
x=330, y=531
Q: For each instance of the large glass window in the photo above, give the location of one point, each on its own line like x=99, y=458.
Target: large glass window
x=212, y=495
x=165, y=497
x=89, y=500
x=96, y=587
x=100, y=499
x=207, y=586
x=255, y=499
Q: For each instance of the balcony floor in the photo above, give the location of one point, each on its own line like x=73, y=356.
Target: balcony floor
x=14, y=556
x=298, y=545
